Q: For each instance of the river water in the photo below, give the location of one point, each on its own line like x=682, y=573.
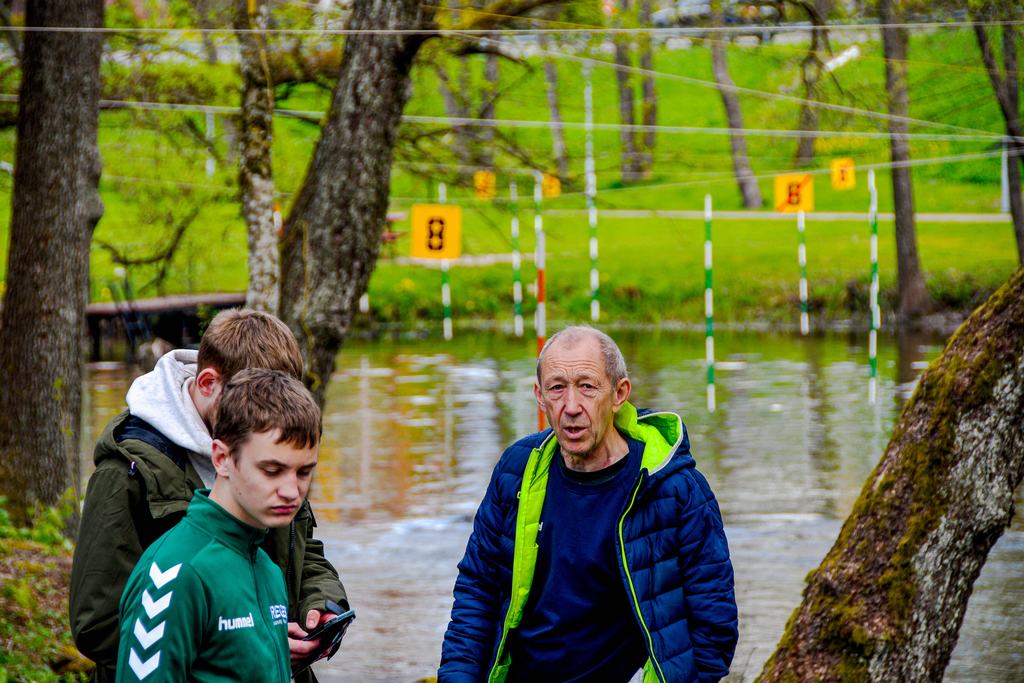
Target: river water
x=414, y=427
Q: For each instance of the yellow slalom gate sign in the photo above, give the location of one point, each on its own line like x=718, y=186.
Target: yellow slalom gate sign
x=794, y=193
x=484, y=184
x=436, y=231
x=550, y=186
x=844, y=176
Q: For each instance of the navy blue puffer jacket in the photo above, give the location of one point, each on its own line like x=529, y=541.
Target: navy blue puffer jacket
x=672, y=550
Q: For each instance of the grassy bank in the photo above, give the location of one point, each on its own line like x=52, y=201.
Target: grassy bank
x=651, y=269
x=35, y=567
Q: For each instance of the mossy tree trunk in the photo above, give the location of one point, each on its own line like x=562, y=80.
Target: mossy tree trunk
x=54, y=208
x=332, y=235
x=888, y=600
x=256, y=178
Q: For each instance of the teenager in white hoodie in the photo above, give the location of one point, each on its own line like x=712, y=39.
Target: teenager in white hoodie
x=152, y=458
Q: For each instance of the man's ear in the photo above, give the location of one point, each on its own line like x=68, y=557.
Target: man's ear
x=622, y=391
x=537, y=394
x=209, y=382
x=221, y=458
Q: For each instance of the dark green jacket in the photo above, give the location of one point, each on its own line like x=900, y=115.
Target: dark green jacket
x=205, y=604
x=136, y=494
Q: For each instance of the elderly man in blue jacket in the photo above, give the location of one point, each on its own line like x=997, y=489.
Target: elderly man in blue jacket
x=597, y=553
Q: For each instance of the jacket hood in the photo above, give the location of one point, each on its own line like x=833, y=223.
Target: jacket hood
x=663, y=433
x=161, y=398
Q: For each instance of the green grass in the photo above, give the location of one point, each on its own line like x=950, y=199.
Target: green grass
x=651, y=269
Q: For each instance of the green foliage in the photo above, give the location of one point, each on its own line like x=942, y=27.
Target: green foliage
x=46, y=526
x=651, y=268
x=35, y=643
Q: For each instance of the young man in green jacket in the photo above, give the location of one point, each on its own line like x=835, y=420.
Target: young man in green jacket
x=149, y=461
x=205, y=602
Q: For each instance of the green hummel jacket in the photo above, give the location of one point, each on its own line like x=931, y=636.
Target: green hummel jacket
x=136, y=494
x=205, y=603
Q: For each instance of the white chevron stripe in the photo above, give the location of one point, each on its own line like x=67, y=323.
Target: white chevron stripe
x=154, y=608
x=161, y=579
x=147, y=638
x=143, y=668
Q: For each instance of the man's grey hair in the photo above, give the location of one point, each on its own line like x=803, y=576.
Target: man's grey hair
x=614, y=362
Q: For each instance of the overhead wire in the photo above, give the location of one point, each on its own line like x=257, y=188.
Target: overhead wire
x=761, y=93
x=535, y=124
x=675, y=30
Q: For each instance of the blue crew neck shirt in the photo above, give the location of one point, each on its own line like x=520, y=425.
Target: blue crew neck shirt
x=578, y=625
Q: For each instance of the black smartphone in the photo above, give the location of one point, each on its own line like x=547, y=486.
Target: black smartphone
x=335, y=628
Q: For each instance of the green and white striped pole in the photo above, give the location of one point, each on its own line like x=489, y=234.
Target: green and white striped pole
x=541, y=317
x=801, y=251
x=446, y=289
x=591, y=180
x=709, y=310
x=876, y=313
x=517, y=282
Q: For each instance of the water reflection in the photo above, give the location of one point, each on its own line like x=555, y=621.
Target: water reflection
x=414, y=428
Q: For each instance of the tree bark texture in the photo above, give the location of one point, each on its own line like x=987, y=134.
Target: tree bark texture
x=455, y=106
x=888, y=600
x=737, y=140
x=332, y=235
x=489, y=97
x=55, y=207
x=649, y=93
x=1007, y=94
x=202, y=9
x=811, y=69
x=632, y=169
x=914, y=299
x=558, y=150
x=255, y=138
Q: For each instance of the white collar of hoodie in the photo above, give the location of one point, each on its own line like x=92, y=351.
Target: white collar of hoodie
x=162, y=399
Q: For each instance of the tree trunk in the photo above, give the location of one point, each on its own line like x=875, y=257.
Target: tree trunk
x=810, y=72
x=456, y=108
x=332, y=235
x=55, y=207
x=888, y=600
x=489, y=96
x=202, y=9
x=914, y=299
x=558, y=150
x=631, y=167
x=737, y=140
x=649, y=107
x=256, y=177
x=1007, y=94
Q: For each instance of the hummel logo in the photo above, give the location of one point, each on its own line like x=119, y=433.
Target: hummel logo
x=147, y=638
x=143, y=668
x=236, y=622
x=154, y=608
x=161, y=579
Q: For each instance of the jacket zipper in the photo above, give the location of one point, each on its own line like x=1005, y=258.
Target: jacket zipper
x=517, y=559
x=282, y=675
x=629, y=580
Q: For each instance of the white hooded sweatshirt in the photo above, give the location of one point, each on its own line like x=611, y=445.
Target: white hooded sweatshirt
x=162, y=399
